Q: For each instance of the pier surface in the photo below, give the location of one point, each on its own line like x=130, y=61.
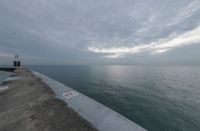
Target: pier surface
x=28, y=104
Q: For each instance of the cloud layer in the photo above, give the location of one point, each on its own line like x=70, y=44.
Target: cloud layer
x=159, y=46
x=95, y=32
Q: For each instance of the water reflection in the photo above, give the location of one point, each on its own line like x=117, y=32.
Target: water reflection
x=157, y=98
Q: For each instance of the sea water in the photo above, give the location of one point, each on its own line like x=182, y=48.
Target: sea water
x=4, y=75
x=158, y=98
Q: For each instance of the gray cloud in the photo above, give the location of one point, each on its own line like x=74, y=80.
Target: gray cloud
x=95, y=32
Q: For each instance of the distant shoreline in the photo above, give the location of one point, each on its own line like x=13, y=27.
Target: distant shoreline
x=10, y=69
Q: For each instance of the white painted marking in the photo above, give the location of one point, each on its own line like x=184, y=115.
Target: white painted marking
x=70, y=94
x=3, y=88
x=13, y=78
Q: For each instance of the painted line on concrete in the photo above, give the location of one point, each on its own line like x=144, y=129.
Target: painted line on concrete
x=3, y=88
x=13, y=78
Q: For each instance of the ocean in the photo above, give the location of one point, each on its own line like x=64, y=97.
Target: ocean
x=4, y=75
x=159, y=98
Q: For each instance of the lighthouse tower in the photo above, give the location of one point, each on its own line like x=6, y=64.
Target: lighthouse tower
x=16, y=62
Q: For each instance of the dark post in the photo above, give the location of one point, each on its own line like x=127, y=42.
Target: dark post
x=16, y=62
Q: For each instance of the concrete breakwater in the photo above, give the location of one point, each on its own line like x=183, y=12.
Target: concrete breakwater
x=28, y=104
x=34, y=101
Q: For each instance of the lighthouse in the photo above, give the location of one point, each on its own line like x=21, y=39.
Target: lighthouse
x=16, y=62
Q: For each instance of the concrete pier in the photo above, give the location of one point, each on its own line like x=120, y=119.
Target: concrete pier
x=28, y=104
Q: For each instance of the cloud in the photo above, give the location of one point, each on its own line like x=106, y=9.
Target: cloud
x=5, y=55
x=160, y=46
x=76, y=31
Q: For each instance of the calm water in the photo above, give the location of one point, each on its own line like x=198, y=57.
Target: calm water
x=157, y=98
x=3, y=75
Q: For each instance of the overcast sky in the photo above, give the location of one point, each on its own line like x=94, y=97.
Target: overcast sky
x=100, y=31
